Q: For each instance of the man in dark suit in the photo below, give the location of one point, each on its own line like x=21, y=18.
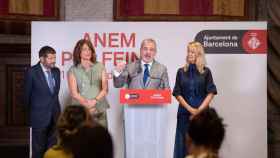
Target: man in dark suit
x=42, y=84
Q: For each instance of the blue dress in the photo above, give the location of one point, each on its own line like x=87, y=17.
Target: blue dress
x=193, y=87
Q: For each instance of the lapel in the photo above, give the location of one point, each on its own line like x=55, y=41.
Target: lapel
x=42, y=78
x=140, y=72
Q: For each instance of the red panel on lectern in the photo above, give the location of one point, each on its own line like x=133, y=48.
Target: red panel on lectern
x=145, y=97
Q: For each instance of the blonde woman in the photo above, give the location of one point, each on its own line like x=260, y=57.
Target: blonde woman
x=194, y=90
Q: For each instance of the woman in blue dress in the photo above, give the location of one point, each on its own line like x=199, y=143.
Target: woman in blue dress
x=194, y=90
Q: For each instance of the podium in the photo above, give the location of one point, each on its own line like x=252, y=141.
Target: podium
x=145, y=117
x=145, y=97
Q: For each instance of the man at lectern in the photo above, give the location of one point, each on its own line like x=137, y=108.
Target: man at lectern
x=144, y=125
x=145, y=73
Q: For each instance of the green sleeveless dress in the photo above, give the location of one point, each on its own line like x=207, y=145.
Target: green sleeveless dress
x=89, y=86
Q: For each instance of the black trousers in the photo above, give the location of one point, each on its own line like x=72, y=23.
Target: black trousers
x=43, y=139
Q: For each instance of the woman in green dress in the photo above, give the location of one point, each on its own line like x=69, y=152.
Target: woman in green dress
x=87, y=81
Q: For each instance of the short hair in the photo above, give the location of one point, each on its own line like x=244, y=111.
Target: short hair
x=44, y=51
x=149, y=40
x=73, y=118
x=207, y=129
x=78, y=49
x=93, y=142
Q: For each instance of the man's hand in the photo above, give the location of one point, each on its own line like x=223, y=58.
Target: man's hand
x=120, y=66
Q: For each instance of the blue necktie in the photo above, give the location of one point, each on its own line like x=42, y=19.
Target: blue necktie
x=50, y=81
x=146, y=73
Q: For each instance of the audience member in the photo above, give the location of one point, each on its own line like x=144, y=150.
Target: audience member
x=73, y=118
x=93, y=142
x=205, y=134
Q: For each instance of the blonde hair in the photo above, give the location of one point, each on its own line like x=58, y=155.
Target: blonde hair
x=200, y=58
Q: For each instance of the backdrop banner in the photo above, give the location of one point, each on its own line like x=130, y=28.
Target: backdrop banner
x=236, y=53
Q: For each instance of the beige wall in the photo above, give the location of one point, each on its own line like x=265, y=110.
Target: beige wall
x=88, y=10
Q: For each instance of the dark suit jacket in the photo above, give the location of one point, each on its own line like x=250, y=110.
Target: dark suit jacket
x=43, y=105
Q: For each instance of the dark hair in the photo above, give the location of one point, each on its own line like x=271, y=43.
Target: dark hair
x=78, y=49
x=93, y=142
x=207, y=129
x=70, y=121
x=44, y=51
